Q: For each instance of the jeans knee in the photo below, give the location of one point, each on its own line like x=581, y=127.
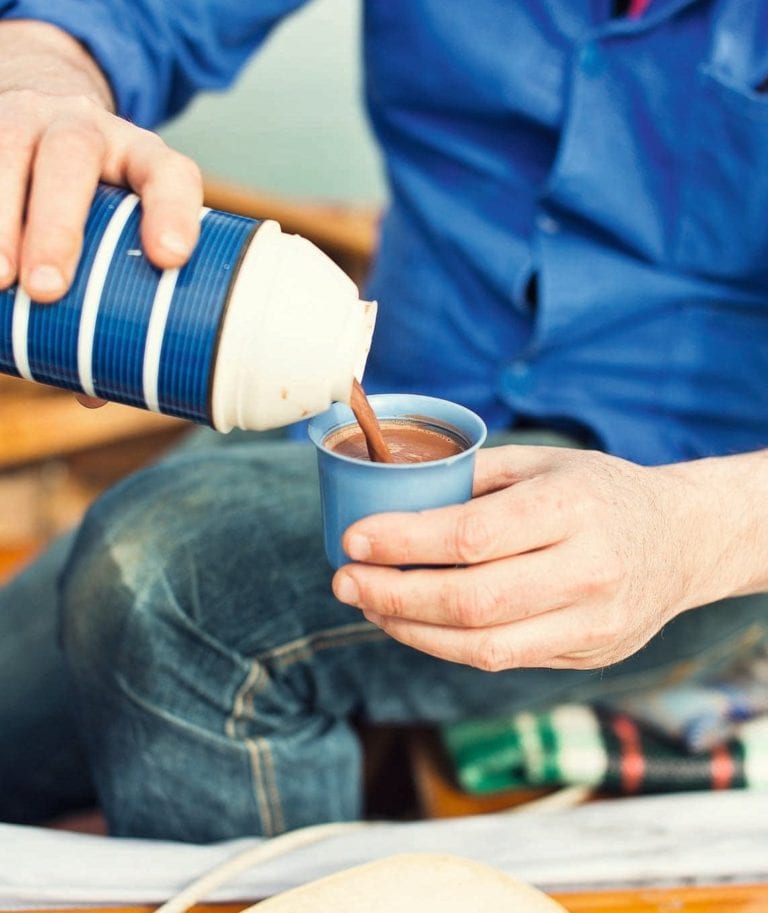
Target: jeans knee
x=224, y=544
x=121, y=544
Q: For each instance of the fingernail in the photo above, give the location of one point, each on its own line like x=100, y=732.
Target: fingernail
x=346, y=590
x=373, y=617
x=358, y=547
x=174, y=243
x=6, y=269
x=46, y=280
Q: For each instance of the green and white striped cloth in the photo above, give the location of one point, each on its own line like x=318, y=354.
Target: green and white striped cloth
x=603, y=748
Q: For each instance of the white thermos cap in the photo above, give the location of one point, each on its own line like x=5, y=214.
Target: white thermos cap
x=294, y=337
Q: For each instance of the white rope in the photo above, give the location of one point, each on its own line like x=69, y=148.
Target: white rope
x=566, y=797
x=254, y=855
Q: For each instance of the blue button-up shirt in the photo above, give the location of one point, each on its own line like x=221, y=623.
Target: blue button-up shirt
x=578, y=228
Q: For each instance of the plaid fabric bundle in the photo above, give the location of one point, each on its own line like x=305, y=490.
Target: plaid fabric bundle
x=694, y=735
x=604, y=748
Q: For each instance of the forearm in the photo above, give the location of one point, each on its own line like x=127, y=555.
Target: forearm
x=724, y=525
x=43, y=57
x=157, y=54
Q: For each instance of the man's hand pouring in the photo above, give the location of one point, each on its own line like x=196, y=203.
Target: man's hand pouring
x=58, y=139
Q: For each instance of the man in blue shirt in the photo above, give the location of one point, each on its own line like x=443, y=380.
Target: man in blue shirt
x=575, y=247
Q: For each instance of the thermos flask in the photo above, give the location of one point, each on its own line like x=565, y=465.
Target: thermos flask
x=259, y=329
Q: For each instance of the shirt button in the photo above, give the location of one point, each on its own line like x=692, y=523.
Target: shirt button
x=517, y=377
x=547, y=224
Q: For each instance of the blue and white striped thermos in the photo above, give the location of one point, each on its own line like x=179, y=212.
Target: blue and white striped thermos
x=258, y=330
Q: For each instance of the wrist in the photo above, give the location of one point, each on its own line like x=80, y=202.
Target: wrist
x=719, y=513
x=41, y=57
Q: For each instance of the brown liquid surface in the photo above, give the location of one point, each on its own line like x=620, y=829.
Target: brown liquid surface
x=376, y=446
x=407, y=442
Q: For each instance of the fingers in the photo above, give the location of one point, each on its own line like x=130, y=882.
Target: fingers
x=53, y=152
x=529, y=515
x=500, y=467
x=472, y=597
x=556, y=640
x=66, y=172
x=171, y=190
x=17, y=144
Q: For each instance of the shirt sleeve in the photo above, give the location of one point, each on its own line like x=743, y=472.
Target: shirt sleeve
x=158, y=53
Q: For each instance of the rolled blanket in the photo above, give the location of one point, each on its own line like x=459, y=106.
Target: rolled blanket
x=604, y=748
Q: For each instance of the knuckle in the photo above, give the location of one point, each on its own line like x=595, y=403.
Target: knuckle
x=615, y=630
x=393, y=604
x=172, y=160
x=37, y=107
x=79, y=136
x=491, y=656
x=149, y=138
x=482, y=605
x=604, y=576
x=187, y=168
x=472, y=607
x=28, y=101
x=557, y=498
x=611, y=628
x=164, y=166
x=594, y=637
x=552, y=499
x=610, y=571
x=143, y=145
x=16, y=136
x=87, y=107
x=591, y=586
x=473, y=539
x=463, y=612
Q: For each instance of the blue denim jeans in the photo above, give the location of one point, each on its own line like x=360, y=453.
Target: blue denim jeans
x=217, y=684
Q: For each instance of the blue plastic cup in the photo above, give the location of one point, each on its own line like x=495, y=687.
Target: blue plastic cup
x=351, y=489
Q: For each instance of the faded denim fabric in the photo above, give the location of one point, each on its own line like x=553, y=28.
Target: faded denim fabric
x=219, y=684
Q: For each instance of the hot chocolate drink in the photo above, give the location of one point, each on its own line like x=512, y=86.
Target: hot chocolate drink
x=407, y=441
x=432, y=443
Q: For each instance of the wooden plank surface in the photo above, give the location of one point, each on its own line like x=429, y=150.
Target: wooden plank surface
x=721, y=899
x=35, y=427
x=730, y=899
x=349, y=229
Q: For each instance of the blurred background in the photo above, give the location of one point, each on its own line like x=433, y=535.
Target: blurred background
x=289, y=141
x=294, y=122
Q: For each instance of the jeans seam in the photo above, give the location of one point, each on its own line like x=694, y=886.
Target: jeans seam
x=259, y=752
x=270, y=781
x=240, y=703
x=260, y=792
x=306, y=647
x=265, y=789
